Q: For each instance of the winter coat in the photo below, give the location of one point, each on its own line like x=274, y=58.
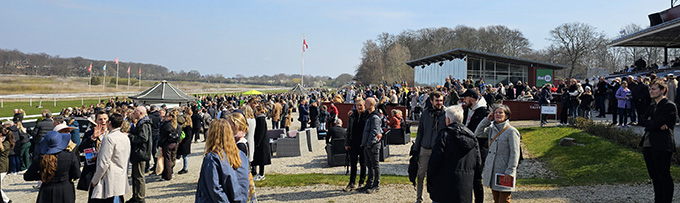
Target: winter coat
x=219, y=182
x=303, y=110
x=657, y=115
x=623, y=97
x=141, y=140
x=276, y=112
x=184, y=146
x=455, y=165
x=155, y=118
x=4, y=156
x=60, y=188
x=479, y=112
x=250, y=138
x=262, y=153
x=431, y=122
x=372, y=129
x=112, y=164
x=355, y=128
x=503, y=154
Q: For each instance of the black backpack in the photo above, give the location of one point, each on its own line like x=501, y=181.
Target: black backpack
x=175, y=135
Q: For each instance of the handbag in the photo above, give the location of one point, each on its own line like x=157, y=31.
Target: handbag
x=159, y=162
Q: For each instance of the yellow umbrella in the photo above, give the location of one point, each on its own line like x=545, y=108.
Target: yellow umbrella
x=252, y=92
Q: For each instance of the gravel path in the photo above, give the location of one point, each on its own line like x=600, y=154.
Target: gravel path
x=182, y=187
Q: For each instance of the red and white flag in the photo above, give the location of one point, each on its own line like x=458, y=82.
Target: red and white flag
x=128, y=70
x=89, y=70
x=116, y=60
x=140, y=70
x=304, y=44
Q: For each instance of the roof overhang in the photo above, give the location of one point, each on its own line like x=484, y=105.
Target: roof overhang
x=666, y=34
x=462, y=53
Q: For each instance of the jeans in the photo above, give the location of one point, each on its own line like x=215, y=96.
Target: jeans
x=185, y=160
x=599, y=103
x=14, y=164
x=573, y=111
x=623, y=116
x=356, y=155
x=275, y=124
x=632, y=113
x=373, y=166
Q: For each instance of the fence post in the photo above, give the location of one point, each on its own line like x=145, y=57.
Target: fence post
x=2, y=102
x=82, y=101
x=55, y=102
x=40, y=104
x=30, y=101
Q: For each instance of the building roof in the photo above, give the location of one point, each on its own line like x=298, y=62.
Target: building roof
x=461, y=53
x=163, y=92
x=661, y=35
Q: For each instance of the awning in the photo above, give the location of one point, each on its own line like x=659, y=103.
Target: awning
x=461, y=53
x=666, y=34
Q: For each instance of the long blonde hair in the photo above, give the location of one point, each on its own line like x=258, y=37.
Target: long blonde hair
x=239, y=122
x=220, y=141
x=173, y=113
x=247, y=111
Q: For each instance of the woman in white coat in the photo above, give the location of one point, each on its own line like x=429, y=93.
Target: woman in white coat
x=504, y=151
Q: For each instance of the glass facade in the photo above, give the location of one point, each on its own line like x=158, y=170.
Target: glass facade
x=492, y=72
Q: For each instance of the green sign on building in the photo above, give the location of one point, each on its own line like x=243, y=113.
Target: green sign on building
x=543, y=76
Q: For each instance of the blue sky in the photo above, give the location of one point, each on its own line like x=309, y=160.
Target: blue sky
x=265, y=36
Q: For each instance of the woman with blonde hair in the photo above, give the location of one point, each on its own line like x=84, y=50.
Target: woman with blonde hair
x=250, y=132
x=239, y=127
x=504, y=152
x=169, y=137
x=224, y=172
x=184, y=146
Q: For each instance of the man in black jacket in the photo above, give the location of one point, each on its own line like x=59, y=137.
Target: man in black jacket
x=475, y=111
x=41, y=129
x=600, y=95
x=370, y=143
x=336, y=132
x=431, y=121
x=658, y=143
x=641, y=98
x=355, y=130
x=140, y=152
x=455, y=162
x=156, y=118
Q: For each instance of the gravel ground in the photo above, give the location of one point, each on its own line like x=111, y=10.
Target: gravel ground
x=182, y=187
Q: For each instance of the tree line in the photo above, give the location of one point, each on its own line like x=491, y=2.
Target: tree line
x=578, y=45
x=17, y=62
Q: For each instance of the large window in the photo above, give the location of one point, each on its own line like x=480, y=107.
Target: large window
x=494, y=72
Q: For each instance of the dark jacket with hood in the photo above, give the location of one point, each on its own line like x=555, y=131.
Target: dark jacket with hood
x=155, y=124
x=141, y=140
x=454, y=166
x=372, y=129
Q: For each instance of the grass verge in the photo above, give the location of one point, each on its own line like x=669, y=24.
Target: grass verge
x=292, y=180
x=599, y=161
x=8, y=107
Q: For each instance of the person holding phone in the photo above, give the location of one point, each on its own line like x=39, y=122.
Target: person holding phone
x=504, y=151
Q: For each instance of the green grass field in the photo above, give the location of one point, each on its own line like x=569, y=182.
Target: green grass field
x=598, y=162
x=8, y=107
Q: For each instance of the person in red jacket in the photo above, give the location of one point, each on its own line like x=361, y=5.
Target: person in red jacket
x=395, y=120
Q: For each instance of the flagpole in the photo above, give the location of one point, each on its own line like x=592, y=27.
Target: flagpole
x=89, y=82
x=116, y=74
x=302, y=80
x=104, y=80
x=128, y=78
x=140, y=79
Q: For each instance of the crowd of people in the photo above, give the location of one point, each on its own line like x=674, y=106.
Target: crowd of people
x=464, y=140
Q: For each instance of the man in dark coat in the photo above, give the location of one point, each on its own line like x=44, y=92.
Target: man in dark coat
x=355, y=129
x=370, y=142
x=641, y=98
x=431, y=121
x=313, y=114
x=455, y=162
x=155, y=117
x=600, y=95
x=41, y=129
x=658, y=143
x=544, y=99
x=336, y=132
x=613, y=102
x=140, y=152
x=303, y=110
x=475, y=111
x=196, y=123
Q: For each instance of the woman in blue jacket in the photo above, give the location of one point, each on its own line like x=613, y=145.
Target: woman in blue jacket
x=224, y=172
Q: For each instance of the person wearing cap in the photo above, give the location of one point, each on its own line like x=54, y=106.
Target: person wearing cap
x=62, y=168
x=475, y=111
x=141, y=140
x=112, y=163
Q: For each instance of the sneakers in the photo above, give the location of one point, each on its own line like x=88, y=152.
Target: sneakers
x=258, y=178
x=182, y=171
x=372, y=190
x=351, y=187
x=363, y=189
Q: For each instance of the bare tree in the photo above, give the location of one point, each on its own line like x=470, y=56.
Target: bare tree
x=575, y=41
